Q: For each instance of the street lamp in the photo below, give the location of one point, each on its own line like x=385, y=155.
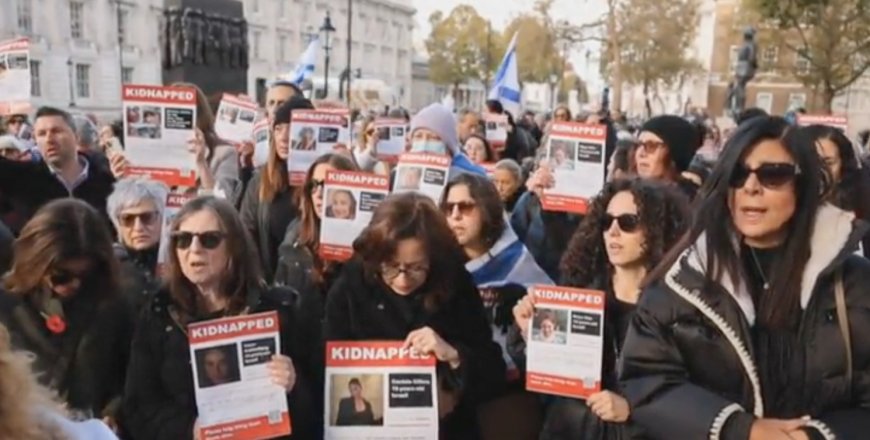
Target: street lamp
x=554, y=78
x=326, y=29
x=72, y=96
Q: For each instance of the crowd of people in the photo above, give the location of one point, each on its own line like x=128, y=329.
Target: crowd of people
x=732, y=264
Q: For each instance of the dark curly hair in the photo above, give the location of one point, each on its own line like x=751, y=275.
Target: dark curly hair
x=852, y=192
x=664, y=217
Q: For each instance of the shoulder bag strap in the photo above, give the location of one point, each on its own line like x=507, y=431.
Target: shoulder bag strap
x=843, y=320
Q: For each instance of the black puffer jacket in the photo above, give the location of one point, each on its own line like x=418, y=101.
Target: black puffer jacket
x=159, y=401
x=267, y=222
x=139, y=280
x=689, y=369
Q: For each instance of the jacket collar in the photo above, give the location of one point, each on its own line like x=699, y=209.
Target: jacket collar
x=835, y=236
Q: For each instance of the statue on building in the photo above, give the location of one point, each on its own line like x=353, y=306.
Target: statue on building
x=747, y=65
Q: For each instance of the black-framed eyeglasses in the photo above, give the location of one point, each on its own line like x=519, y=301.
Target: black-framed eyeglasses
x=626, y=222
x=392, y=271
x=209, y=240
x=63, y=277
x=651, y=146
x=770, y=175
x=314, y=185
x=465, y=207
x=129, y=220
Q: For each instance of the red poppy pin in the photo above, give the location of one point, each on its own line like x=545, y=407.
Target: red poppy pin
x=55, y=324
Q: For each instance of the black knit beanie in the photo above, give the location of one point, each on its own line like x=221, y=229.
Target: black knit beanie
x=283, y=112
x=679, y=135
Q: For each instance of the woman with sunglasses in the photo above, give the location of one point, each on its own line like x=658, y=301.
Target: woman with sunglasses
x=752, y=330
x=61, y=303
x=366, y=151
x=502, y=268
x=407, y=281
x=269, y=204
x=630, y=226
x=136, y=208
x=212, y=273
x=665, y=148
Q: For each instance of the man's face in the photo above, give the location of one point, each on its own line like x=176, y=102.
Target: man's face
x=216, y=368
x=469, y=125
x=56, y=140
x=275, y=97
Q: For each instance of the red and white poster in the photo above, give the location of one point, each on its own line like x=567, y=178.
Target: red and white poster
x=841, y=122
x=496, y=130
x=379, y=390
x=174, y=201
x=424, y=173
x=158, y=123
x=314, y=133
x=349, y=201
x=235, y=396
x=392, y=135
x=261, y=142
x=489, y=167
x=15, y=76
x=575, y=155
x=565, y=343
x=235, y=118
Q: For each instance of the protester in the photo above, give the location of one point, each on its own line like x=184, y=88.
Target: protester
x=86, y=133
x=111, y=135
x=268, y=205
x=562, y=114
x=630, y=226
x=11, y=148
x=478, y=149
x=508, y=180
x=520, y=142
x=61, y=302
x=620, y=163
x=665, y=148
x=469, y=122
x=433, y=131
x=747, y=333
x=407, y=281
x=366, y=152
x=136, y=208
x=207, y=237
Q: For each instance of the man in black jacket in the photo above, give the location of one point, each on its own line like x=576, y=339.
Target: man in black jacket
x=63, y=172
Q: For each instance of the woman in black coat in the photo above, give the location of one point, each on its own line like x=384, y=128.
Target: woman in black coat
x=407, y=282
x=745, y=336
x=62, y=304
x=207, y=238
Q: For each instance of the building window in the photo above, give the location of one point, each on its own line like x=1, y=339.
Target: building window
x=797, y=100
x=802, y=65
x=255, y=44
x=127, y=75
x=83, y=80
x=76, y=19
x=282, y=48
x=770, y=56
x=733, y=58
x=25, y=16
x=255, y=5
x=764, y=101
x=123, y=25
x=35, y=79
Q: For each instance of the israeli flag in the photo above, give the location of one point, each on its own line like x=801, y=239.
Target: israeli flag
x=507, y=81
x=307, y=62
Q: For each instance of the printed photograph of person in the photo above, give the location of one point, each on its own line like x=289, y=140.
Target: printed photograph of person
x=398, y=132
x=144, y=122
x=217, y=366
x=409, y=178
x=341, y=204
x=549, y=326
x=562, y=154
x=304, y=140
x=357, y=400
x=384, y=133
x=229, y=114
x=247, y=116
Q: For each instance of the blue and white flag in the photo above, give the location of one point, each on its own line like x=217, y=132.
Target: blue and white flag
x=307, y=63
x=507, y=81
x=508, y=262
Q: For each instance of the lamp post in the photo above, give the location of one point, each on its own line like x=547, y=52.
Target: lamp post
x=72, y=96
x=118, y=24
x=554, y=78
x=326, y=30
x=349, y=46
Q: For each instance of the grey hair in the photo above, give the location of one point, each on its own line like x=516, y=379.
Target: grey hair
x=86, y=131
x=512, y=166
x=132, y=191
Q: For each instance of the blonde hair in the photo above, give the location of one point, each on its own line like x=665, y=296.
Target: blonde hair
x=24, y=403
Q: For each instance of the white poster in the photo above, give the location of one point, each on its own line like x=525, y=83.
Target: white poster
x=14, y=76
x=424, y=173
x=314, y=133
x=565, y=344
x=235, y=396
x=349, y=200
x=235, y=119
x=496, y=130
x=575, y=154
x=261, y=142
x=392, y=136
x=158, y=123
x=379, y=390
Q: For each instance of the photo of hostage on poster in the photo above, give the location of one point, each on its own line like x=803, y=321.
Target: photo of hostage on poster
x=423, y=173
x=15, y=78
x=392, y=137
x=158, y=123
x=350, y=201
x=575, y=155
x=378, y=389
x=235, y=396
x=314, y=133
x=235, y=119
x=496, y=130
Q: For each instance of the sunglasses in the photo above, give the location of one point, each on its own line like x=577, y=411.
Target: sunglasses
x=209, y=240
x=651, y=146
x=626, y=222
x=129, y=220
x=464, y=207
x=63, y=277
x=314, y=184
x=769, y=175
x=391, y=272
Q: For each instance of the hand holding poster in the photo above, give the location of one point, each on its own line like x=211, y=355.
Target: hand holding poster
x=575, y=154
x=261, y=142
x=314, y=133
x=391, y=138
x=349, y=200
x=158, y=123
x=235, y=396
x=496, y=130
x=14, y=76
x=235, y=118
x=379, y=390
x=422, y=172
x=565, y=342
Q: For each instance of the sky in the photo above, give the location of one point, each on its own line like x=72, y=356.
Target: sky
x=502, y=11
